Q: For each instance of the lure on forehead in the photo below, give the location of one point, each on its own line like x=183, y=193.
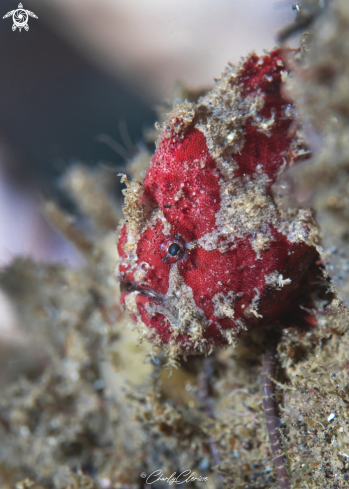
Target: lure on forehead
x=206, y=253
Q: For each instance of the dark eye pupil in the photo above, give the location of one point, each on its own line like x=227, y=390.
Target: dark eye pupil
x=173, y=249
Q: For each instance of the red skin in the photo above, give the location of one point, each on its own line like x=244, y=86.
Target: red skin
x=183, y=163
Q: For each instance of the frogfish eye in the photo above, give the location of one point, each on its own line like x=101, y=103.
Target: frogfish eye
x=173, y=248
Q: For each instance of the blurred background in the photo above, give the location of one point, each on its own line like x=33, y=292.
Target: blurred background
x=91, y=67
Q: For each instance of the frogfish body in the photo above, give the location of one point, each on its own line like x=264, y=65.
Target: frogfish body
x=206, y=252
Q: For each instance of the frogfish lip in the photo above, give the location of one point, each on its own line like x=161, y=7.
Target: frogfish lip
x=161, y=303
x=128, y=287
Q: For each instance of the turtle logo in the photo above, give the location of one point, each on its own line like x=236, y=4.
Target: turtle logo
x=20, y=18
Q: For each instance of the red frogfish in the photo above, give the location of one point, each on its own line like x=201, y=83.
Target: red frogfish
x=206, y=252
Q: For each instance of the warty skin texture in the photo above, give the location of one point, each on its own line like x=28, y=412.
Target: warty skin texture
x=205, y=251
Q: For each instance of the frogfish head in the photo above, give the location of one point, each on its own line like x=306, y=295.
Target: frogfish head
x=206, y=252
